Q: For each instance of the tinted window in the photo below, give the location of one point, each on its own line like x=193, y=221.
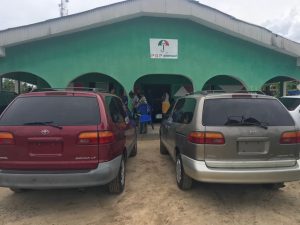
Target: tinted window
x=219, y=112
x=116, y=109
x=62, y=110
x=290, y=103
x=184, y=110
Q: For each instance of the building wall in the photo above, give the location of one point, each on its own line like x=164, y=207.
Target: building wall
x=121, y=51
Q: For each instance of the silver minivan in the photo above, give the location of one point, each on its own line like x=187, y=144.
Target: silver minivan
x=231, y=138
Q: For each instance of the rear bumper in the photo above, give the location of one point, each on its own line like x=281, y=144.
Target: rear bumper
x=103, y=174
x=200, y=172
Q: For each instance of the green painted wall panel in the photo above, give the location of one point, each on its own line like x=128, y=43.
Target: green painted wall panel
x=121, y=50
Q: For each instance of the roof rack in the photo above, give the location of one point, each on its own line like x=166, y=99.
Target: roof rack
x=207, y=92
x=87, y=89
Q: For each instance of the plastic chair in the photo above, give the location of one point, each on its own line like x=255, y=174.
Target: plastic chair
x=144, y=112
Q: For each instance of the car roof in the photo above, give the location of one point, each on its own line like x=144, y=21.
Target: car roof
x=292, y=96
x=230, y=95
x=66, y=93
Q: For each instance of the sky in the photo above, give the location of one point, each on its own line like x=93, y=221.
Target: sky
x=280, y=16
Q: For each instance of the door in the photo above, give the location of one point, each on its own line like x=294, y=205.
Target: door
x=153, y=94
x=182, y=116
x=122, y=130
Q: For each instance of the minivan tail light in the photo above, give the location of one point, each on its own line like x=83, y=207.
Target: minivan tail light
x=94, y=138
x=213, y=138
x=6, y=138
x=197, y=137
x=88, y=138
x=290, y=137
x=106, y=137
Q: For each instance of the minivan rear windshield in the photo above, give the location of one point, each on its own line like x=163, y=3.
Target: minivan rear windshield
x=290, y=103
x=223, y=112
x=58, y=110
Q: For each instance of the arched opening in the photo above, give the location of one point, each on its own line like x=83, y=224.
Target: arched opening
x=21, y=82
x=14, y=83
x=224, y=83
x=281, y=86
x=154, y=86
x=99, y=81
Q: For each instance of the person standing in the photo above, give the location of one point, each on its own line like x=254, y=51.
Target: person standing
x=165, y=104
x=112, y=90
x=124, y=98
x=143, y=111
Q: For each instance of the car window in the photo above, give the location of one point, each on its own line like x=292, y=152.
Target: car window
x=60, y=110
x=219, y=112
x=116, y=109
x=290, y=103
x=184, y=110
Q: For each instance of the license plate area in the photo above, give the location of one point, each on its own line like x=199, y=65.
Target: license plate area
x=253, y=147
x=45, y=147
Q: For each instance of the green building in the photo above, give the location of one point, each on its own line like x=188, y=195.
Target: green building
x=150, y=45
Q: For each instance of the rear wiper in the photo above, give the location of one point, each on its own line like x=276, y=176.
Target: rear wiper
x=255, y=122
x=48, y=123
x=233, y=121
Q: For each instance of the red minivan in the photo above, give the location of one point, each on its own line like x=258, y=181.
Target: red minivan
x=65, y=139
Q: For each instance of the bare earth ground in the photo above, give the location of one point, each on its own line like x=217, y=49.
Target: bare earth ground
x=152, y=197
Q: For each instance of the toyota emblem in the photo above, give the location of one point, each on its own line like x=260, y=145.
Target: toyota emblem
x=252, y=131
x=45, y=132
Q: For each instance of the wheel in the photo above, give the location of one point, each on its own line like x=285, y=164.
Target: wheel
x=275, y=186
x=117, y=185
x=134, y=150
x=184, y=182
x=163, y=149
x=18, y=190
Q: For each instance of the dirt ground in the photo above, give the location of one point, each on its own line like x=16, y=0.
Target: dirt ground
x=152, y=197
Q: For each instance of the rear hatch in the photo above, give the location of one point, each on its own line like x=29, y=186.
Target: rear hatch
x=259, y=132
x=45, y=132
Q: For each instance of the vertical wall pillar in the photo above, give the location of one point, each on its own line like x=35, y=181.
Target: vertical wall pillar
x=284, y=88
x=1, y=83
x=18, y=86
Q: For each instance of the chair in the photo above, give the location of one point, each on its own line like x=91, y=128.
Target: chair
x=144, y=112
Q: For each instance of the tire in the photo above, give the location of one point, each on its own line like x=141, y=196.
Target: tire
x=134, y=150
x=117, y=185
x=274, y=187
x=184, y=182
x=163, y=150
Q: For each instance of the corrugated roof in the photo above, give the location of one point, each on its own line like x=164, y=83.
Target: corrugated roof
x=182, y=9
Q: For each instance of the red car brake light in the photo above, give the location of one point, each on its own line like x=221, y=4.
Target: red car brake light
x=6, y=138
x=214, y=138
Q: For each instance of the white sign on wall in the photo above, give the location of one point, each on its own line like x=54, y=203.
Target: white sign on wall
x=163, y=48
